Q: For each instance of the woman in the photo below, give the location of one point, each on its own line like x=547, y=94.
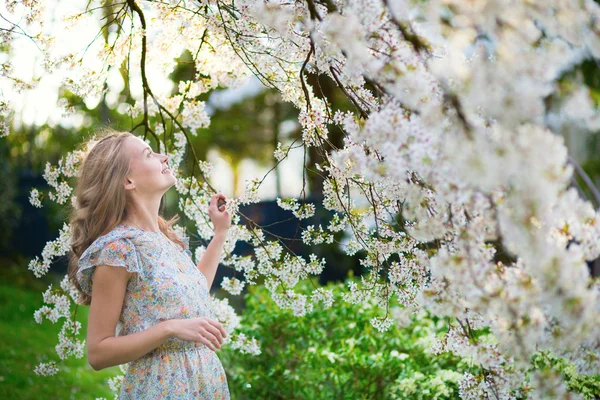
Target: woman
x=149, y=303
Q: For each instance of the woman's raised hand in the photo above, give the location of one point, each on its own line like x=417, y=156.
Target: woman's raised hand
x=208, y=331
x=218, y=214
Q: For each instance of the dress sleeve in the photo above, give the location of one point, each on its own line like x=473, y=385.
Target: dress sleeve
x=118, y=252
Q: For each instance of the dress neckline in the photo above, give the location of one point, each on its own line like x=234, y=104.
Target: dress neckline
x=150, y=233
x=139, y=230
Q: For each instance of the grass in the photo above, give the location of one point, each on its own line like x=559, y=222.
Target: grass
x=25, y=343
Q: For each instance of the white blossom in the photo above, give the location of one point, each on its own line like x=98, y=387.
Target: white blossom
x=232, y=285
x=46, y=369
x=35, y=198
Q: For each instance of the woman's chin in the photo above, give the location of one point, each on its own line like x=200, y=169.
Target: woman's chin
x=169, y=175
x=168, y=181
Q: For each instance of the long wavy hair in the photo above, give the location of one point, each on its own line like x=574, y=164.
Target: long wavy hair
x=101, y=198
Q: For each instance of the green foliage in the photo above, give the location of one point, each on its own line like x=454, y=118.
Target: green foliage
x=25, y=343
x=337, y=353
x=586, y=385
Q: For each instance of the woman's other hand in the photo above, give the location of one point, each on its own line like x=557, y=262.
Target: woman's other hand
x=208, y=331
x=218, y=214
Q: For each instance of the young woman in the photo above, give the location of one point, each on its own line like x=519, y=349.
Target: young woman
x=149, y=302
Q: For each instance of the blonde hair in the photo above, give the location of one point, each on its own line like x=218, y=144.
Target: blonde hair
x=101, y=198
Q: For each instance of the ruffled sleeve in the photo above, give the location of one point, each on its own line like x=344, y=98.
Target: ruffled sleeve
x=107, y=250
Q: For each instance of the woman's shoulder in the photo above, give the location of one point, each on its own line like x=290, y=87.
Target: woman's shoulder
x=118, y=241
x=117, y=247
x=118, y=233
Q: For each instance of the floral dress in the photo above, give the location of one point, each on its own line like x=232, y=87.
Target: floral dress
x=166, y=285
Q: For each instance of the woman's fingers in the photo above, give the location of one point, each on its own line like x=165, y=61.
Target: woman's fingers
x=206, y=342
x=212, y=338
x=214, y=200
x=216, y=332
x=218, y=325
x=209, y=332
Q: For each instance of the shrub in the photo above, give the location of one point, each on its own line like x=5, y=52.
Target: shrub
x=336, y=353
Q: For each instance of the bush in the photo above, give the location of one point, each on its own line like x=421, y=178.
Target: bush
x=337, y=353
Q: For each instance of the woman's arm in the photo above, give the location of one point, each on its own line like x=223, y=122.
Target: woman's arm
x=210, y=259
x=104, y=349
x=221, y=221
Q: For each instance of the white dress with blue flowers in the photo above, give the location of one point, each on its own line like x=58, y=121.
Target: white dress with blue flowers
x=166, y=285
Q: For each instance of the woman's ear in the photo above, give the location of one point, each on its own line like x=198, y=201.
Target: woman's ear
x=128, y=185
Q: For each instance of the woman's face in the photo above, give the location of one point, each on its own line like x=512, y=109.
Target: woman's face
x=148, y=170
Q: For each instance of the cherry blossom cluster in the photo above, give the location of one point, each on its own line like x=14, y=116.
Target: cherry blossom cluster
x=450, y=148
x=46, y=369
x=230, y=320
